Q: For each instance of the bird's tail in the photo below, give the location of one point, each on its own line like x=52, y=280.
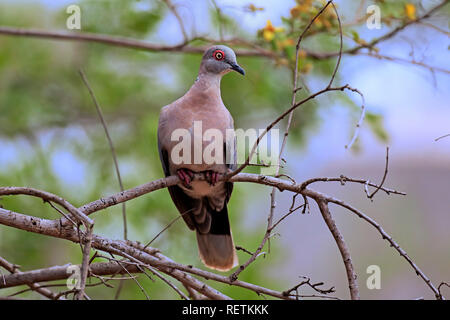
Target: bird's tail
x=216, y=247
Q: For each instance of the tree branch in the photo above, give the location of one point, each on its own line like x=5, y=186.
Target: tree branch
x=121, y=41
x=127, y=249
x=185, y=48
x=47, y=196
x=59, y=229
x=343, y=249
x=14, y=270
x=60, y=273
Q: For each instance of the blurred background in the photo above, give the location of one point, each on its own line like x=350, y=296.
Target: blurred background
x=51, y=137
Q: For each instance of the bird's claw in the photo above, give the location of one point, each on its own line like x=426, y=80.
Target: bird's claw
x=212, y=177
x=186, y=176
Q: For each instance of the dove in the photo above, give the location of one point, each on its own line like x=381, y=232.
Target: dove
x=203, y=202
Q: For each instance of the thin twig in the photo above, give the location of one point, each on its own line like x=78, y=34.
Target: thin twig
x=169, y=283
x=314, y=286
x=338, y=62
x=361, y=118
x=439, y=288
x=442, y=137
x=111, y=147
x=244, y=250
x=62, y=213
x=384, y=175
x=343, y=179
x=135, y=280
x=291, y=211
x=167, y=227
x=403, y=60
x=219, y=18
x=178, y=17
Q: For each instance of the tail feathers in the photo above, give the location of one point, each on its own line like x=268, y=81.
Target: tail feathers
x=216, y=246
x=202, y=217
x=217, y=251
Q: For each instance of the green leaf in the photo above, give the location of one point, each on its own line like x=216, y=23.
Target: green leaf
x=375, y=122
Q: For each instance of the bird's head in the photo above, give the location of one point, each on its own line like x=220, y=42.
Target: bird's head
x=220, y=60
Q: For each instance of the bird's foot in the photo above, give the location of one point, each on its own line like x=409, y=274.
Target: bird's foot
x=186, y=176
x=212, y=177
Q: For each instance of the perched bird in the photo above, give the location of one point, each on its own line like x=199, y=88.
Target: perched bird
x=203, y=204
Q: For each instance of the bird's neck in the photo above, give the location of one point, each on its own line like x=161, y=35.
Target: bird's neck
x=207, y=82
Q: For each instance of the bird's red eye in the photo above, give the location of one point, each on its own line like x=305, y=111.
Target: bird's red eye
x=219, y=55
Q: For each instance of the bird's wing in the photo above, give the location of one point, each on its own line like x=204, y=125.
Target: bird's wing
x=183, y=203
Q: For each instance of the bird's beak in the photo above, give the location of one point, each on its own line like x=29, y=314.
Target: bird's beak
x=237, y=68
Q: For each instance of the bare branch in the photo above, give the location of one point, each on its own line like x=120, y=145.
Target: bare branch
x=343, y=249
x=392, y=243
x=85, y=263
x=15, y=269
x=60, y=273
x=343, y=179
x=122, y=41
x=129, y=249
x=47, y=196
x=56, y=229
x=193, y=294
